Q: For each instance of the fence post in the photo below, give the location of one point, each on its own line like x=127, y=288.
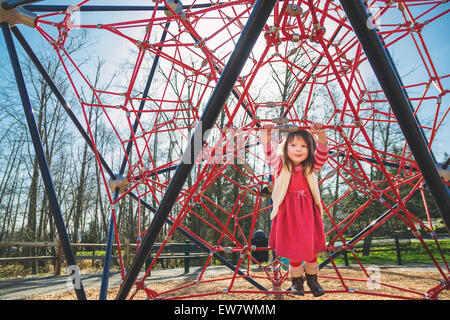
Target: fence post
x=397, y=249
x=127, y=252
x=59, y=254
x=187, y=262
x=93, y=257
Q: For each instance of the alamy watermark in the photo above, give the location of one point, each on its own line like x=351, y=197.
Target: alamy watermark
x=74, y=280
x=74, y=17
x=374, y=18
x=374, y=280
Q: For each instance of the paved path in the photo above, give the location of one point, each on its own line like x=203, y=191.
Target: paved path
x=29, y=287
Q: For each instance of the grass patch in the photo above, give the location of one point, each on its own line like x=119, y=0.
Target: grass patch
x=413, y=253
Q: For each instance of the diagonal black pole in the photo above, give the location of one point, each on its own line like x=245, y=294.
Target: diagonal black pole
x=247, y=40
x=43, y=166
x=391, y=84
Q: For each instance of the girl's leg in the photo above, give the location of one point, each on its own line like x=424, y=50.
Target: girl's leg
x=296, y=271
x=296, y=268
x=311, y=270
x=311, y=267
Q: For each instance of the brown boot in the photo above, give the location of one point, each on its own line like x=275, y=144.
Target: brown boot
x=297, y=286
x=316, y=288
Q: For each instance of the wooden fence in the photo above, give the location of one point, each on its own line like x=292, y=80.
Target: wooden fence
x=58, y=258
x=183, y=251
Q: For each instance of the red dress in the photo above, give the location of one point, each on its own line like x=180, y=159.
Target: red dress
x=297, y=231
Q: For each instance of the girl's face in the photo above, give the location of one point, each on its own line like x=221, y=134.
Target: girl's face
x=297, y=150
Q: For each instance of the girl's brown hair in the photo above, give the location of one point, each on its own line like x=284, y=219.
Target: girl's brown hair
x=308, y=163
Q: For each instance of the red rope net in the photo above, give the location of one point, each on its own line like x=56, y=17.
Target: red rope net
x=308, y=65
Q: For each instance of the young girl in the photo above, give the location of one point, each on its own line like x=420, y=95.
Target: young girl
x=297, y=228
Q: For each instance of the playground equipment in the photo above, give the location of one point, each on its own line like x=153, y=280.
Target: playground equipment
x=224, y=52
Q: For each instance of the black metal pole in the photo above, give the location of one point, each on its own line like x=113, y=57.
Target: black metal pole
x=390, y=82
x=250, y=33
x=43, y=166
x=108, y=253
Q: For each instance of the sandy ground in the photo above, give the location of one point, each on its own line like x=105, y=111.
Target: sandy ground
x=349, y=283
